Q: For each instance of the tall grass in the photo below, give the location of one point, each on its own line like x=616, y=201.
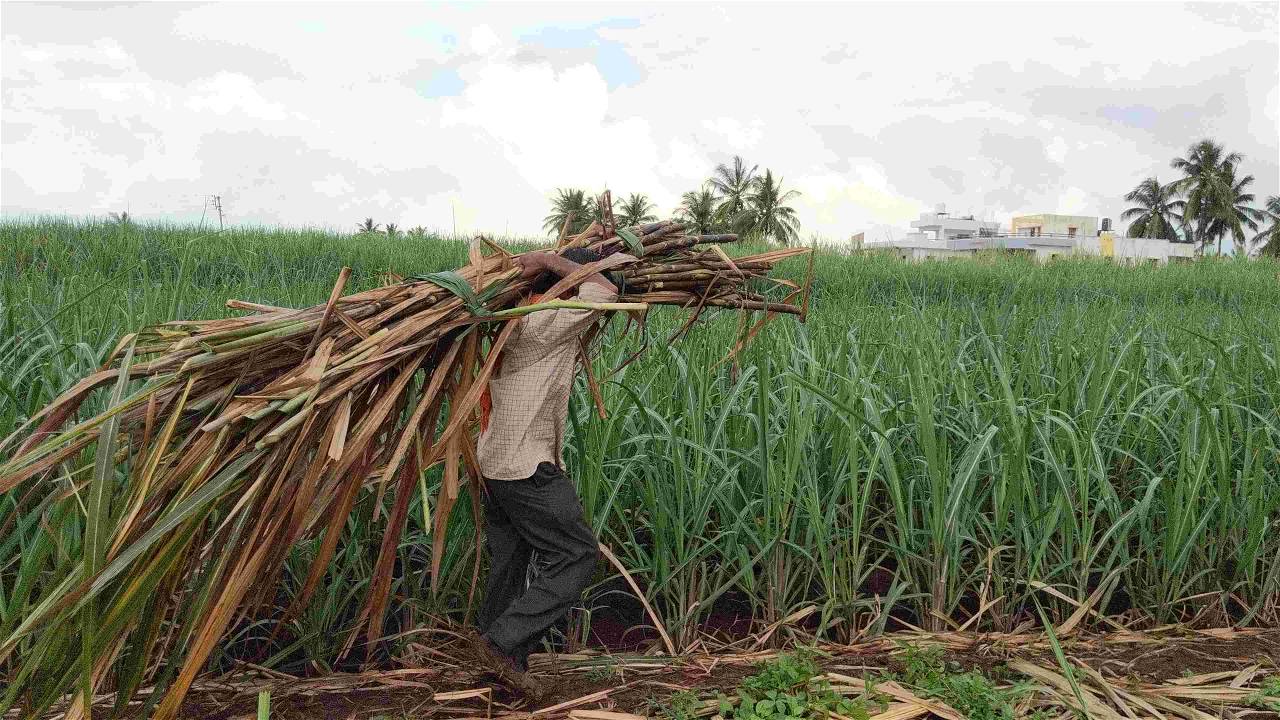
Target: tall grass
x=942, y=445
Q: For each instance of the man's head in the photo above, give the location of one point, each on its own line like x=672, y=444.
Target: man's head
x=581, y=256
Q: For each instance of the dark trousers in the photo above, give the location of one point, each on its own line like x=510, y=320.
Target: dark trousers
x=540, y=513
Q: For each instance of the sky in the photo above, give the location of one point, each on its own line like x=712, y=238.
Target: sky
x=469, y=117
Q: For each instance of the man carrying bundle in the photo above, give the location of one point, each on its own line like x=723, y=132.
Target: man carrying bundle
x=530, y=504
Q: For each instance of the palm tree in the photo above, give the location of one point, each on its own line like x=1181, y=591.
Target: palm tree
x=417, y=231
x=733, y=185
x=1157, y=213
x=368, y=226
x=1233, y=211
x=568, y=202
x=392, y=229
x=698, y=210
x=771, y=217
x=121, y=218
x=636, y=210
x=1204, y=185
x=1268, y=241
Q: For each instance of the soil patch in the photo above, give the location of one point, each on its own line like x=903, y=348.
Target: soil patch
x=1177, y=658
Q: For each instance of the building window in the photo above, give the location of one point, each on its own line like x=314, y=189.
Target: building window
x=1071, y=232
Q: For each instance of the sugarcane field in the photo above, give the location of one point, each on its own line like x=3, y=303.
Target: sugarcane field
x=573, y=362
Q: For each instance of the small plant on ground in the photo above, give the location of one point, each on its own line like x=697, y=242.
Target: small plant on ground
x=788, y=688
x=971, y=693
x=1268, y=695
x=602, y=672
x=681, y=706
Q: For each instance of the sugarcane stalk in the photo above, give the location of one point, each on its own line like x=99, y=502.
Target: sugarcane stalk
x=277, y=422
x=568, y=305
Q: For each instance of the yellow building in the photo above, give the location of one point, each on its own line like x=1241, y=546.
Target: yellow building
x=1081, y=226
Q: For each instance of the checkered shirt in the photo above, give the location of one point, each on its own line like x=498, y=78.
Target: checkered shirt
x=530, y=392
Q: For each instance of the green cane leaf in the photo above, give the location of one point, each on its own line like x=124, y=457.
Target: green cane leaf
x=633, y=242
x=456, y=284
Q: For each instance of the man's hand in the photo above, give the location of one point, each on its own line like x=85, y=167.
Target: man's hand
x=533, y=264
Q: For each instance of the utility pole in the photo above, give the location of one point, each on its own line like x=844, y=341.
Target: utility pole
x=453, y=210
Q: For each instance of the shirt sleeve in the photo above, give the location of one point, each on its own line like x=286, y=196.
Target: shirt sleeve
x=554, y=327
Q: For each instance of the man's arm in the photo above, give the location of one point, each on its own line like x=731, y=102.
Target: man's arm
x=533, y=264
x=562, y=325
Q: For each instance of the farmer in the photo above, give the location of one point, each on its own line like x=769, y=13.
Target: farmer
x=530, y=504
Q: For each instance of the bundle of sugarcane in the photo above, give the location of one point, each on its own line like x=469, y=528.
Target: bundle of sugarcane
x=226, y=442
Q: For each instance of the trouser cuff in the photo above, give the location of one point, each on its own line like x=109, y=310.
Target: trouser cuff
x=495, y=635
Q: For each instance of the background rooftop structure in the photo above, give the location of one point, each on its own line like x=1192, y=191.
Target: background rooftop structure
x=938, y=235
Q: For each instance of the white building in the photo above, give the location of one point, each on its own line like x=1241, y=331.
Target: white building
x=1044, y=236
x=1136, y=250
x=940, y=226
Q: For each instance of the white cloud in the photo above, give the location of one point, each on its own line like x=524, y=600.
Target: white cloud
x=483, y=39
x=1057, y=149
x=228, y=93
x=333, y=185
x=54, y=159
x=554, y=130
x=840, y=207
x=427, y=115
x=1074, y=201
x=735, y=132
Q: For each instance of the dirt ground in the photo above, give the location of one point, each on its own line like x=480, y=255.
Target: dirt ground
x=1163, y=664
x=1160, y=662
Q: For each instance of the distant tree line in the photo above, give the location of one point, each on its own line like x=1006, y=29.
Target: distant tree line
x=736, y=198
x=1210, y=202
x=369, y=227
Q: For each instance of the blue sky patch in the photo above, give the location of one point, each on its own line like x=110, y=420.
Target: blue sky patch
x=558, y=37
x=616, y=66
x=561, y=38
x=1138, y=116
x=614, y=63
x=445, y=82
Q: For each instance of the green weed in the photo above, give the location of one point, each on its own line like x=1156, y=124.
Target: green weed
x=680, y=706
x=971, y=692
x=1268, y=695
x=602, y=672
x=788, y=688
